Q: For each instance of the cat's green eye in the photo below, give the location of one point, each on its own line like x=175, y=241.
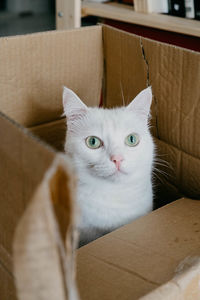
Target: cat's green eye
x=132, y=140
x=93, y=142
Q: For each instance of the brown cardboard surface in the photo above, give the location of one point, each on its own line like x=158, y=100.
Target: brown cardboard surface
x=173, y=74
x=52, y=133
x=137, y=258
x=23, y=163
x=125, y=68
x=43, y=259
x=7, y=287
x=35, y=67
x=187, y=182
x=183, y=286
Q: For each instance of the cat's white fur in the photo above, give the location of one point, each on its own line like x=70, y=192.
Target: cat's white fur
x=109, y=198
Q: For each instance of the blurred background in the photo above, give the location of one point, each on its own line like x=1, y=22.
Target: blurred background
x=26, y=16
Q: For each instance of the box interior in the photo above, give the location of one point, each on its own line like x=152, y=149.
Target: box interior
x=102, y=64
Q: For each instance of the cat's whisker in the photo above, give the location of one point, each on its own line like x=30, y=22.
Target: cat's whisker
x=127, y=99
x=160, y=171
x=159, y=154
x=165, y=175
x=163, y=164
x=158, y=159
x=158, y=177
x=122, y=93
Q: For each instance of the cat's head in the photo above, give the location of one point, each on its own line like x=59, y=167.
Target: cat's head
x=109, y=143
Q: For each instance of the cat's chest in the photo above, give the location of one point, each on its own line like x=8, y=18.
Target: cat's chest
x=111, y=198
x=104, y=205
x=110, y=206
x=99, y=193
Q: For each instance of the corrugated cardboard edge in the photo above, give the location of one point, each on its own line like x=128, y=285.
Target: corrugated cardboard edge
x=45, y=238
x=184, y=286
x=20, y=155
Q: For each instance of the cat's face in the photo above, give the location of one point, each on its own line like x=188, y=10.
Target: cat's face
x=109, y=143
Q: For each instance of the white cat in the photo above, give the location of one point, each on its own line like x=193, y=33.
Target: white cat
x=113, y=152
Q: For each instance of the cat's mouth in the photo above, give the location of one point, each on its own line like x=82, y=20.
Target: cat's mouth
x=117, y=173
x=106, y=173
x=120, y=171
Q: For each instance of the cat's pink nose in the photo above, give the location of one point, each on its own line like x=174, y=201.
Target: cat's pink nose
x=117, y=159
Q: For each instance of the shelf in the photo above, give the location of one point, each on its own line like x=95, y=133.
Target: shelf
x=125, y=13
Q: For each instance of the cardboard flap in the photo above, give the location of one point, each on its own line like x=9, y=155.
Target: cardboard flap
x=45, y=239
x=139, y=257
x=184, y=285
x=23, y=161
x=34, y=69
x=125, y=67
x=173, y=74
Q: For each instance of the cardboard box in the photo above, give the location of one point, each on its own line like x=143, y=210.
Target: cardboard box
x=140, y=259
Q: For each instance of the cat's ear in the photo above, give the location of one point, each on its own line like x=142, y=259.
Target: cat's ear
x=74, y=108
x=142, y=103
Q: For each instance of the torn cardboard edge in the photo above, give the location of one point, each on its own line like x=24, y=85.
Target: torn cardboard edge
x=145, y=38
x=5, y=260
x=183, y=286
x=45, y=238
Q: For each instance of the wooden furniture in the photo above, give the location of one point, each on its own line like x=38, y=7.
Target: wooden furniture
x=68, y=14
x=178, y=31
x=125, y=13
